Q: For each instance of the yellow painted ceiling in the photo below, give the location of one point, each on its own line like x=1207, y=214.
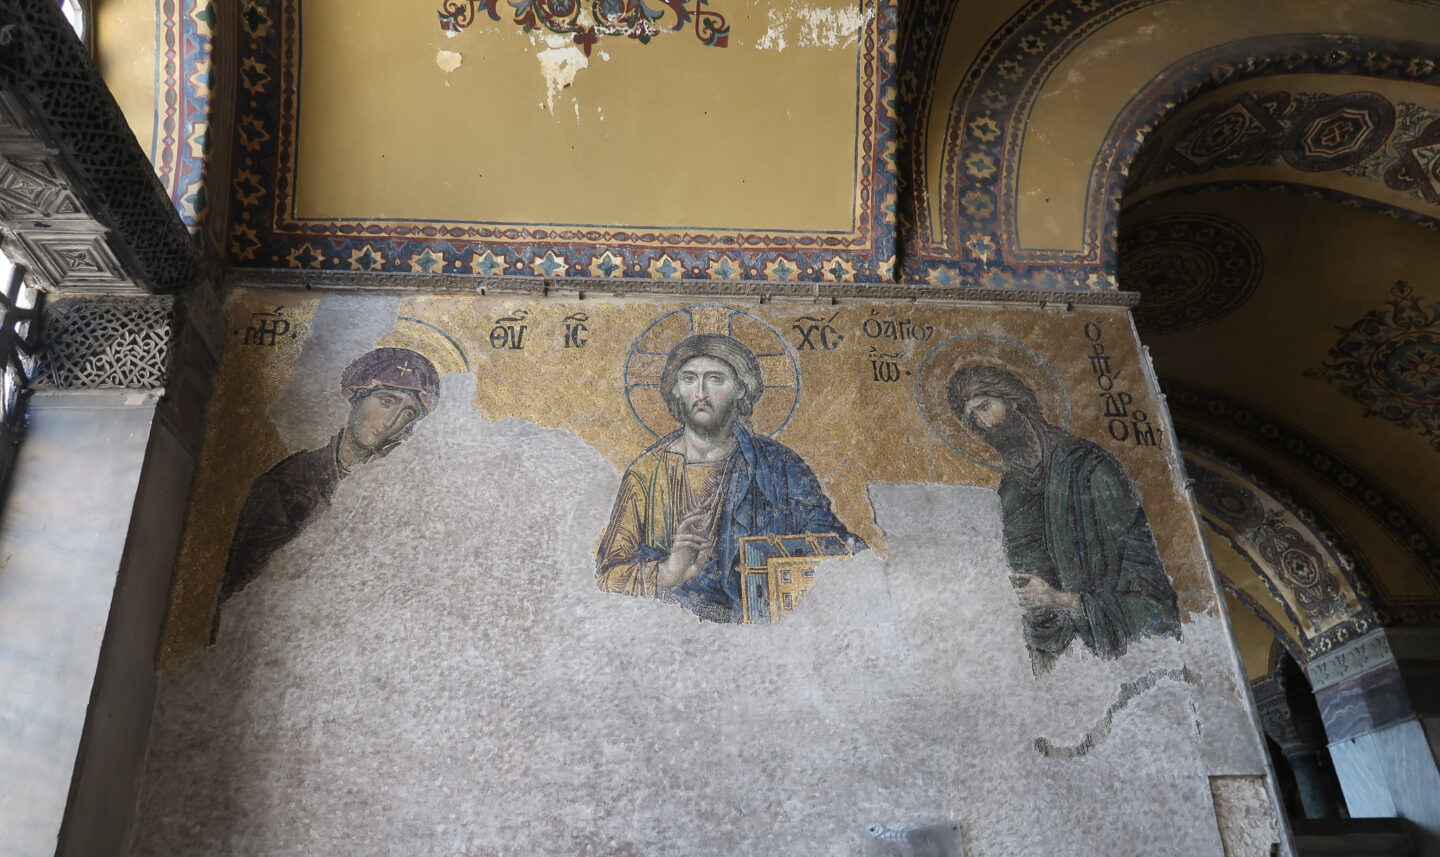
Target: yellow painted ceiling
x=124, y=39
x=526, y=129
x=1325, y=267
x=1252, y=636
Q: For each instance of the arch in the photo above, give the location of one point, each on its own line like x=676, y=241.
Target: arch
x=1000, y=153
x=1401, y=523
x=1226, y=65
x=1284, y=641
x=1221, y=475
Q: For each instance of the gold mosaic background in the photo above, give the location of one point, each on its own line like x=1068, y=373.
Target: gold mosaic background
x=851, y=424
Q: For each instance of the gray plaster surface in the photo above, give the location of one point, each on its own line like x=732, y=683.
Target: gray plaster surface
x=62, y=535
x=430, y=669
x=311, y=408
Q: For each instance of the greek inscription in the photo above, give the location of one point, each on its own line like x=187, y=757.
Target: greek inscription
x=575, y=330
x=895, y=329
x=266, y=328
x=884, y=367
x=1125, y=422
x=816, y=331
x=509, y=332
x=1117, y=404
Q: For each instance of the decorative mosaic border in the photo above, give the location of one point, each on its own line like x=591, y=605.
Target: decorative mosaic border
x=1386, y=509
x=988, y=115
x=184, y=88
x=265, y=234
x=1359, y=133
x=1305, y=509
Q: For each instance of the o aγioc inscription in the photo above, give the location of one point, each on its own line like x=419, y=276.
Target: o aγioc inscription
x=1190, y=269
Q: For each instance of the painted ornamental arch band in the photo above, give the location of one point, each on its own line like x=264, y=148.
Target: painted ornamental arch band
x=1233, y=62
x=964, y=221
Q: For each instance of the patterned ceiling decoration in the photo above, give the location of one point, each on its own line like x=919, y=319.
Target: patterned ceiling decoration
x=1336, y=132
x=1289, y=546
x=1418, y=167
x=629, y=18
x=1361, y=134
x=1196, y=408
x=1389, y=362
x=267, y=232
x=1190, y=269
x=988, y=117
x=1309, y=131
x=185, y=87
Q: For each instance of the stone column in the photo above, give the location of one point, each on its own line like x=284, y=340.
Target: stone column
x=1301, y=738
x=1379, y=698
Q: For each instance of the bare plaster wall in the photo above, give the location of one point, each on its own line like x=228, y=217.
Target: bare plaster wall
x=429, y=668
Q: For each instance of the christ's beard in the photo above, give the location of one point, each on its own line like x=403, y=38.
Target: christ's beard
x=718, y=424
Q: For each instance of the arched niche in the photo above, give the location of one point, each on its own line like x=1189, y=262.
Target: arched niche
x=1021, y=158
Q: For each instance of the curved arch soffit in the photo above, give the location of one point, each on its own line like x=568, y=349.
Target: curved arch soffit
x=1195, y=408
x=1284, y=641
x=1167, y=95
x=1253, y=510
x=965, y=170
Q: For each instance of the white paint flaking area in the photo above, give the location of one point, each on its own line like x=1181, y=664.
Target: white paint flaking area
x=560, y=61
x=448, y=60
x=810, y=28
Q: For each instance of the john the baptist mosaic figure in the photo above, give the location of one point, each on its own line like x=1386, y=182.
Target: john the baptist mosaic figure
x=712, y=490
x=1083, y=558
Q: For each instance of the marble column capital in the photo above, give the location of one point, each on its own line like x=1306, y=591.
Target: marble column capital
x=1385, y=677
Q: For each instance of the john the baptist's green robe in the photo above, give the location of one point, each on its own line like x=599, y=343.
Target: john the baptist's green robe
x=1075, y=521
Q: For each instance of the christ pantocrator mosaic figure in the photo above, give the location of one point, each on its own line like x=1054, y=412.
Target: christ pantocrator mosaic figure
x=688, y=501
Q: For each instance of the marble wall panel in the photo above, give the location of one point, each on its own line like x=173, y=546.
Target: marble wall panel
x=62, y=535
x=1362, y=779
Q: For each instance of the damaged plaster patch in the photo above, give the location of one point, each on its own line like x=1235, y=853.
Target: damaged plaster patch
x=1244, y=816
x=448, y=60
x=808, y=28
x=1128, y=691
x=560, y=61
